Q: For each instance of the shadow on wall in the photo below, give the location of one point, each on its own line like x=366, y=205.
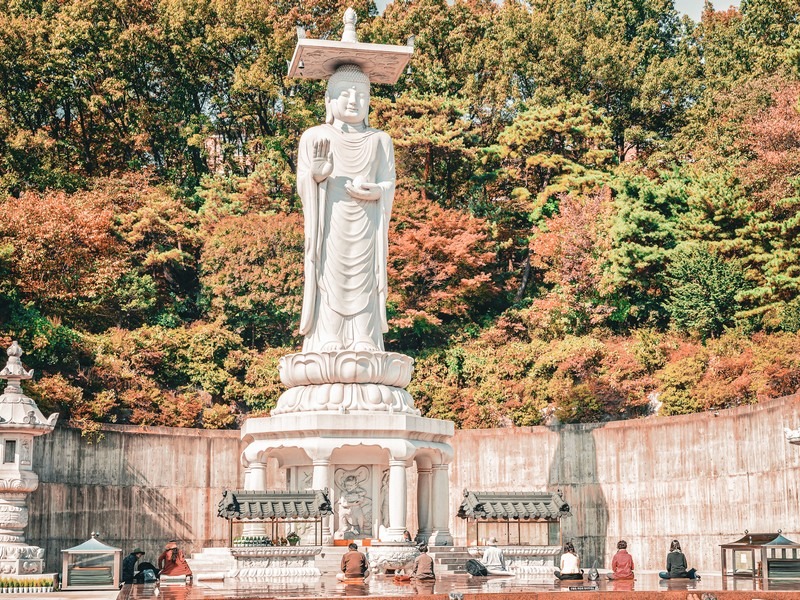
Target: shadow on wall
x=103, y=488
x=574, y=471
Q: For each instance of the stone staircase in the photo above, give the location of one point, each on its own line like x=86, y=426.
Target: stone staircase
x=330, y=559
x=449, y=559
x=211, y=563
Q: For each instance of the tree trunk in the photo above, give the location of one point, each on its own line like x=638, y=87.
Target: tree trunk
x=526, y=275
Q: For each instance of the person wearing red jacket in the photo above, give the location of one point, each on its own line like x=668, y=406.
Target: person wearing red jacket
x=622, y=563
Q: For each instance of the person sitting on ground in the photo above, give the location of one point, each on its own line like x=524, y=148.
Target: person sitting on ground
x=354, y=564
x=148, y=573
x=676, y=564
x=493, y=559
x=570, y=564
x=129, y=565
x=172, y=561
x=423, y=565
x=622, y=563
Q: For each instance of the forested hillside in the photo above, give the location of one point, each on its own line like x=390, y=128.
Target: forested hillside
x=597, y=213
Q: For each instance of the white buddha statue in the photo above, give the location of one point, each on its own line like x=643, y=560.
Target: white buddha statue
x=346, y=180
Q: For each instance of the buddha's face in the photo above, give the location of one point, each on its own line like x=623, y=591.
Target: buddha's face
x=349, y=101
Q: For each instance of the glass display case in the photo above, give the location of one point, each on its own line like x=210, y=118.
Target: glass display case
x=91, y=565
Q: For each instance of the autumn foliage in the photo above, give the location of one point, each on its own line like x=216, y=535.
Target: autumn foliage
x=597, y=211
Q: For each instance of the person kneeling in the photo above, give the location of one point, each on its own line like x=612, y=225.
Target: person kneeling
x=494, y=560
x=354, y=564
x=423, y=565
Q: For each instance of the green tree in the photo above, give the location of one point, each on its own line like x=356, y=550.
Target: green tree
x=546, y=152
x=703, y=290
x=642, y=234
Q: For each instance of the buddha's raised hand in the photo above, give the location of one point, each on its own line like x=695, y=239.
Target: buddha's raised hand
x=322, y=162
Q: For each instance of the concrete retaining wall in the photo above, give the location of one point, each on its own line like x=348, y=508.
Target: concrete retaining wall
x=702, y=479
x=136, y=487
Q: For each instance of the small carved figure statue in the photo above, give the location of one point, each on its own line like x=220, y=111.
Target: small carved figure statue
x=351, y=513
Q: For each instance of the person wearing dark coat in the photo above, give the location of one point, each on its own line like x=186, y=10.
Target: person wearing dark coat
x=676, y=564
x=129, y=565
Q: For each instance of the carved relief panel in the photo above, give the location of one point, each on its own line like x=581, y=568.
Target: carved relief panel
x=354, y=504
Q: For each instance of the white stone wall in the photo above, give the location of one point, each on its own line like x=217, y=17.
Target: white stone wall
x=702, y=479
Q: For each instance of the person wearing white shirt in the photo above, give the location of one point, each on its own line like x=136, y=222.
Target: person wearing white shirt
x=570, y=564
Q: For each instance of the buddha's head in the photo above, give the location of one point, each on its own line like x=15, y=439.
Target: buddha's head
x=347, y=97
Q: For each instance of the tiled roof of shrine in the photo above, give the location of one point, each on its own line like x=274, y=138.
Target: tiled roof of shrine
x=262, y=506
x=755, y=540
x=532, y=506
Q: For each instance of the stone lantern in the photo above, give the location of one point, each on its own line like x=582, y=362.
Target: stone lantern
x=20, y=422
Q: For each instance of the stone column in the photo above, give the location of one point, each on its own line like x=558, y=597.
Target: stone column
x=321, y=480
x=424, y=503
x=255, y=479
x=440, y=507
x=397, y=500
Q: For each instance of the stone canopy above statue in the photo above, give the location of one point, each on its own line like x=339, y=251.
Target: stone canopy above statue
x=319, y=59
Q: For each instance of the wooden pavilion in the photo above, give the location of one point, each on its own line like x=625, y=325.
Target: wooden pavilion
x=516, y=518
x=765, y=555
x=278, y=513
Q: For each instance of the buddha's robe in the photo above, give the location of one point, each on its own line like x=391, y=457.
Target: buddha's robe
x=346, y=239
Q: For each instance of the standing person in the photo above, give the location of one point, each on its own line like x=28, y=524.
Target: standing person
x=676, y=564
x=354, y=564
x=622, y=563
x=129, y=565
x=172, y=562
x=423, y=565
x=570, y=564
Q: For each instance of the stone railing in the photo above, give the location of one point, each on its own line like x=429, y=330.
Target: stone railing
x=526, y=560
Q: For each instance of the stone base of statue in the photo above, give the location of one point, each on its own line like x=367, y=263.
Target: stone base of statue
x=21, y=560
x=530, y=561
x=346, y=381
x=362, y=457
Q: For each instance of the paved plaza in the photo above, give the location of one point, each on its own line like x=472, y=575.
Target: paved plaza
x=646, y=585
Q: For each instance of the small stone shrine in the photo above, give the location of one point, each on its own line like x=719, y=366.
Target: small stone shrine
x=20, y=422
x=526, y=524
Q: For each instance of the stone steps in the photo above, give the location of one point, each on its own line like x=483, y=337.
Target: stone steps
x=211, y=563
x=330, y=559
x=450, y=559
